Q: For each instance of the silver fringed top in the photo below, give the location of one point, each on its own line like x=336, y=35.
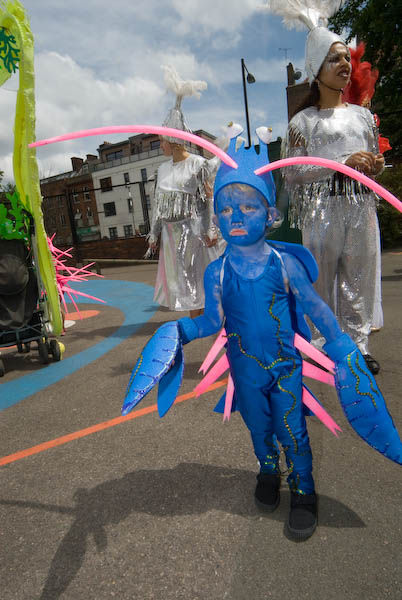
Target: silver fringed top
x=333, y=133
x=180, y=194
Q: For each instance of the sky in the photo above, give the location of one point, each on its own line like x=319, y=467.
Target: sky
x=97, y=63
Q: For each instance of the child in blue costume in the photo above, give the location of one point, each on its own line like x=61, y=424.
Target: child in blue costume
x=254, y=286
x=260, y=291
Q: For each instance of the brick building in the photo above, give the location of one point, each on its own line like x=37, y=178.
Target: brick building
x=69, y=203
x=109, y=196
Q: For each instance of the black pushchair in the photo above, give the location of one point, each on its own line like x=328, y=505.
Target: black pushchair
x=21, y=306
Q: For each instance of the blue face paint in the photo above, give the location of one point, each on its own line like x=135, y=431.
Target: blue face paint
x=242, y=215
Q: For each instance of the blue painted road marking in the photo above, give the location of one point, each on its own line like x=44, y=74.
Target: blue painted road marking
x=135, y=300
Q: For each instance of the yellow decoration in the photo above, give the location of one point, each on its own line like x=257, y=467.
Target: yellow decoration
x=14, y=19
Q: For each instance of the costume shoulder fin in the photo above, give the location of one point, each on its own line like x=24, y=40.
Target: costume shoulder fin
x=301, y=253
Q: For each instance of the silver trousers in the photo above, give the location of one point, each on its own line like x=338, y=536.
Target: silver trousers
x=342, y=236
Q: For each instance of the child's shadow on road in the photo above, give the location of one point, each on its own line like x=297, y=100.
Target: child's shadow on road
x=187, y=489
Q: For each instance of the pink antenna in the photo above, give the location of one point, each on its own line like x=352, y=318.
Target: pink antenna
x=157, y=130
x=335, y=166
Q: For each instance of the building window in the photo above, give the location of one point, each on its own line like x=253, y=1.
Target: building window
x=76, y=197
x=130, y=205
x=109, y=208
x=155, y=144
x=114, y=155
x=144, y=175
x=106, y=184
x=126, y=177
x=87, y=195
x=113, y=233
x=128, y=230
x=89, y=211
x=63, y=220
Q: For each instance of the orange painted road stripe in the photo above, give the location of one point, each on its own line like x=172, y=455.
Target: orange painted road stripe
x=70, y=437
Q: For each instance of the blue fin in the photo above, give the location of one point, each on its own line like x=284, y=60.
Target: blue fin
x=301, y=253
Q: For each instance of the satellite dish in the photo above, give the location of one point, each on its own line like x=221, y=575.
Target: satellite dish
x=297, y=75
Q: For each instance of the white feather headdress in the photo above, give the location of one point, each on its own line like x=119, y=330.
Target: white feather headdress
x=313, y=14
x=310, y=13
x=180, y=88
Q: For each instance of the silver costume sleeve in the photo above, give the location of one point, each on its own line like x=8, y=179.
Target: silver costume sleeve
x=294, y=145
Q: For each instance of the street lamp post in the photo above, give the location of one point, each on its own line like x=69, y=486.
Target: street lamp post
x=250, y=79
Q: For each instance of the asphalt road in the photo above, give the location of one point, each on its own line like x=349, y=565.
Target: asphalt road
x=163, y=509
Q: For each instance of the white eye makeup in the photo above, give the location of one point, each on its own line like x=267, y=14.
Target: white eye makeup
x=333, y=58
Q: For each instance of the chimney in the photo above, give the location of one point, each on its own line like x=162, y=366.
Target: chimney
x=77, y=163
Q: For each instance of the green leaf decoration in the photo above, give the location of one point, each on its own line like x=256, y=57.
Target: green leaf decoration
x=9, y=53
x=14, y=220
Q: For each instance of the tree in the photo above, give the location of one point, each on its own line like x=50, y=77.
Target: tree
x=9, y=188
x=378, y=24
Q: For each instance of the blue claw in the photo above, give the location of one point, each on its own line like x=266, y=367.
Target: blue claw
x=364, y=406
x=163, y=349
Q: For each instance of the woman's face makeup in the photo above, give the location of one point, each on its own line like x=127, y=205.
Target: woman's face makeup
x=336, y=68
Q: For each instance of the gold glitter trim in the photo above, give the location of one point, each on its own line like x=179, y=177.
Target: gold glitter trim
x=349, y=361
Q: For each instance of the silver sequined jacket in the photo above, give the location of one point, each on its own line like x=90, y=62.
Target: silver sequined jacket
x=333, y=133
x=180, y=194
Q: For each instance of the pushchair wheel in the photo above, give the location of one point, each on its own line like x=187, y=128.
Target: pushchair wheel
x=43, y=351
x=55, y=350
x=2, y=368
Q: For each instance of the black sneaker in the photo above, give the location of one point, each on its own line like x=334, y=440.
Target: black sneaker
x=302, y=519
x=266, y=493
x=371, y=363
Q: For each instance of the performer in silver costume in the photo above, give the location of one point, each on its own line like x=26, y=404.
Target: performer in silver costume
x=182, y=213
x=337, y=215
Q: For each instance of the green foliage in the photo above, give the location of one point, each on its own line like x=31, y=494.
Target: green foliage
x=378, y=24
x=9, y=53
x=14, y=219
x=390, y=219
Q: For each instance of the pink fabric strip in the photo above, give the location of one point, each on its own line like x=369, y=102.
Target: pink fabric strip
x=320, y=412
x=228, y=399
x=316, y=373
x=217, y=370
x=214, y=351
x=308, y=349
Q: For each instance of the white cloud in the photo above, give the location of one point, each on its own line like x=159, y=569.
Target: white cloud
x=98, y=63
x=208, y=16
